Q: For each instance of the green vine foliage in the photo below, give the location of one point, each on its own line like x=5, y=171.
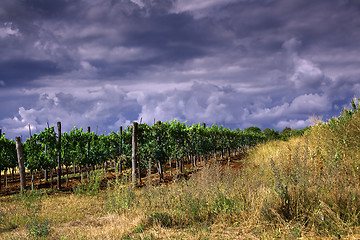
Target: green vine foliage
x=41, y=150
x=8, y=158
x=156, y=145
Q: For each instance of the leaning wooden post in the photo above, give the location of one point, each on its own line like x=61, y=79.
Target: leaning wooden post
x=59, y=156
x=20, y=157
x=134, y=153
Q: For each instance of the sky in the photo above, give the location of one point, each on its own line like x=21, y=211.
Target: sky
x=236, y=63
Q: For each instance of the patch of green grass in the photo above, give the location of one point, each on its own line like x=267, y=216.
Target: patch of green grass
x=92, y=185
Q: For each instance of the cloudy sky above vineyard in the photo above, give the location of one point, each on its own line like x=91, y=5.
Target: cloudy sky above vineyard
x=238, y=63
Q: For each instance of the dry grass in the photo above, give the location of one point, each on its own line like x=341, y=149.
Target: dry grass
x=307, y=187
x=312, y=184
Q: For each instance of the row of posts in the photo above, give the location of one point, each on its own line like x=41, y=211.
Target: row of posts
x=20, y=157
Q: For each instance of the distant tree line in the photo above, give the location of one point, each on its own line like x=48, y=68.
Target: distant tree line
x=271, y=134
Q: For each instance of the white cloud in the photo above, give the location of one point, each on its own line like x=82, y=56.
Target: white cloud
x=77, y=106
x=292, y=45
x=294, y=123
x=87, y=66
x=8, y=30
x=295, y=114
x=197, y=5
x=200, y=102
x=310, y=104
x=118, y=53
x=270, y=114
x=307, y=75
x=139, y=3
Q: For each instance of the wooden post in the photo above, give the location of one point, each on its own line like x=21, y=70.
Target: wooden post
x=5, y=177
x=29, y=131
x=170, y=167
x=59, y=156
x=67, y=176
x=20, y=157
x=203, y=138
x=177, y=167
x=138, y=171
x=81, y=174
x=88, y=155
x=52, y=178
x=134, y=153
x=149, y=172
x=193, y=159
x=138, y=166
x=181, y=165
x=229, y=153
x=46, y=173
x=32, y=179
x=120, y=150
x=158, y=161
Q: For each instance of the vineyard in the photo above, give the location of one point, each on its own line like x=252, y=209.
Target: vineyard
x=138, y=147
x=305, y=187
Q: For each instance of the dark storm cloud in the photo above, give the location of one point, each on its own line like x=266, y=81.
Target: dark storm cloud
x=172, y=30
x=47, y=9
x=26, y=11
x=17, y=71
x=171, y=38
x=323, y=22
x=270, y=63
x=58, y=29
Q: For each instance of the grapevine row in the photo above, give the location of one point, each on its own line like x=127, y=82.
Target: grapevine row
x=170, y=142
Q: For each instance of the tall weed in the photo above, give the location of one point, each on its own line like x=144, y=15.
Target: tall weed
x=314, y=178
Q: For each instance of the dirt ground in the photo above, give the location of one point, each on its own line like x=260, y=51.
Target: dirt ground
x=13, y=181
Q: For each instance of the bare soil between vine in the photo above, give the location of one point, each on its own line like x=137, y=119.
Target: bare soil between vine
x=13, y=181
